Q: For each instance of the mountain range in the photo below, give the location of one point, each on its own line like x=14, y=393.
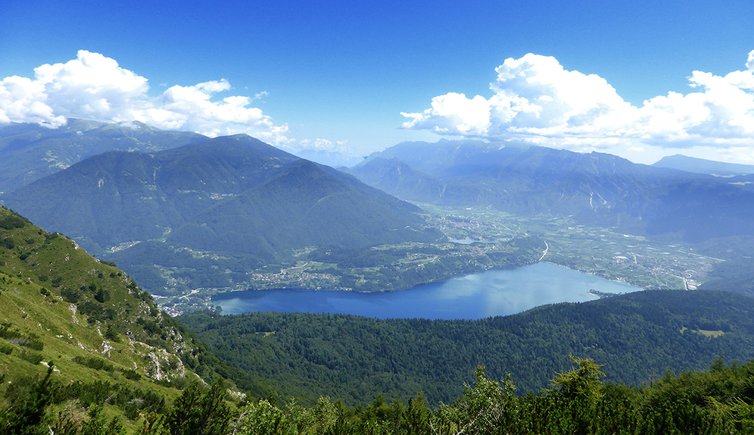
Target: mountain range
x=233, y=197
x=29, y=152
x=192, y=212
x=594, y=188
x=229, y=204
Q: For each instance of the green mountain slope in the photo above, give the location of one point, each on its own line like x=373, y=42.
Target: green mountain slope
x=57, y=303
x=234, y=203
x=305, y=205
x=638, y=337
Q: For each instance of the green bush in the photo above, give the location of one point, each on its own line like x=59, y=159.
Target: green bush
x=102, y=296
x=6, y=348
x=51, y=237
x=27, y=401
x=131, y=374
x=7, y=331
x=31, y=341
x=32, y=357
x=112, y=334
x=7, y=243
x=10, y=222
x=94, y=363
x=201, y=411
x=69, y=295
x=15, y=336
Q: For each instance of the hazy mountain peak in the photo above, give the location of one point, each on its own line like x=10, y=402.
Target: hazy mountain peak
x=539, y=180
x=703, y=166
x=29, y=152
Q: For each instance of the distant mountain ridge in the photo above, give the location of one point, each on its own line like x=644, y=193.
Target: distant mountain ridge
x=29, y=152
x=703, y=166
x=231, y=196
x=595, y=189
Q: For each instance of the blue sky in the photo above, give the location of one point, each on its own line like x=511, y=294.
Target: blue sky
x=338, y=75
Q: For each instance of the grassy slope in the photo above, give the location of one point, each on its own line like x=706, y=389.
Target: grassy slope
x=57, y=303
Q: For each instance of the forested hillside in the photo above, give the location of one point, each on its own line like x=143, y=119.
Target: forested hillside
x=209, y=214
x=577, y=401
x=638, y=337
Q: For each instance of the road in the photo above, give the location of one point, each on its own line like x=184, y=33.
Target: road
x=547, y=248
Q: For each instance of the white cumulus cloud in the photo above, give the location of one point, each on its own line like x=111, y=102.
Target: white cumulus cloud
x=93, y=86
x=535, y=99
x=454, y=113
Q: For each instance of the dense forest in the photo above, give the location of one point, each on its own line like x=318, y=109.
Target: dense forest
x=577, y=401
x=638, y=337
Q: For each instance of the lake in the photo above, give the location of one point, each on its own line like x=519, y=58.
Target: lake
x=475, y=296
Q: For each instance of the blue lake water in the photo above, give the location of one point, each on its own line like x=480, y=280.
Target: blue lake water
x=475, y=296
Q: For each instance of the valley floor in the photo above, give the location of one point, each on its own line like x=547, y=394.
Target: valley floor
x=478, y=240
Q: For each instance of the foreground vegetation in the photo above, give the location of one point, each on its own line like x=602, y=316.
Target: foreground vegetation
x=720, y=400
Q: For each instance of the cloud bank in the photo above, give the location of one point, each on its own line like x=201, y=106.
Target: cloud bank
x=95, y=87
x=535, y=99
